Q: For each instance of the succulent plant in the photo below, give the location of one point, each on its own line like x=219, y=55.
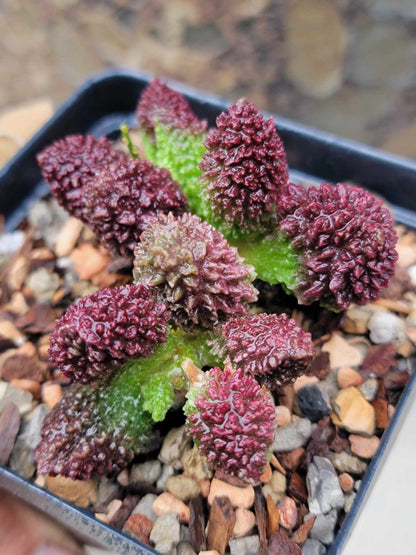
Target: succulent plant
x=273, y=349
x=200, y=277
x=69, y=164
x=104, y=329
x=232, y=420
x=122, y=196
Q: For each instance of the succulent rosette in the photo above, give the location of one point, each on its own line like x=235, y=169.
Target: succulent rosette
x=244, y=168
x=173, y=136
x=273, y=349
x=122, y=195
x=200, y=276
x=232, y=420
x=104, y=329
x=69, y=164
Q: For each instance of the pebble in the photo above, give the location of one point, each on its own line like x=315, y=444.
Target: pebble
x=341, y=353
x=148, y=472
x=68, y=237
x=349, y=500
x=245, y=521
x=48, y=218
x=167, y=503
x=348, y=377
x=283, y=416
x=364, y=447
x=313, y=547
x=9, y=394
x=292, y=459
x=324, y=490
x=346, y=482
x=145, y=507
x=292, y=436
x=357, y=484
x=324, y=526
x=386, y=327
x=356, y=320
x=108, y=489
x=43, y=284
x=51, y=394
x=9, y=331
x=165, y=533
x=344, y=462
x=249, y=545
x=11, y=242
x=312, y=403
x=369, y=389
x=353, y=412
x=196, y=465
x=174, y=446
x=113, y=507
x=81, y=492
x=330, y=385
x=183, y=487
x=185, y=548
x=9, y=428
x=288, y=513
x=89, y=261
x=239, y=497
x=32, y=386
x=167, y=472
x=267, y=475
x=138, y=526
x=303, y=381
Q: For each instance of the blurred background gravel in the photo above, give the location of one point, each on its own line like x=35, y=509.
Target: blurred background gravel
x=345, y=66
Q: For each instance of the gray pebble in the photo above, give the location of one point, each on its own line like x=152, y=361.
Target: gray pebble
x=167, y=472
x=107, y=490
x=386, y=327
x=43, y=284
x=324, y=490
x=196, y=465
x=165, y=533
x=249, y=545
x=324, y=526
x=292, y=436
x=369, y=389
x=148, y=471
x=9, y=394
x=145, y=507
x=344, y=462
x=349, y=500
x=48, y=218
x=174, y=446
x=185, y=536
x=185, y=548
x=11, y=242
x=313, y=547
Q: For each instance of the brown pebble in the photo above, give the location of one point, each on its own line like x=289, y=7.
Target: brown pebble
x=346, y=482
x=51, y=394
x=21, y=366
x=27, y=385
x=382, y=416
x=348, y=377
x=320, y=366
x=166, y=503
x=272, y=515
x=303, y=381
x=288, y=513
x=81, y=492
x=220, y=524
x=364, y=447
x=245, y=522
x=88, y=261
x=9, y=428
x=302, y=533
x=239, y=497
x=292, y=459
x=353, y=412
x=283, y=416
x=68, y=237
x=139, y=526
x=379, y=359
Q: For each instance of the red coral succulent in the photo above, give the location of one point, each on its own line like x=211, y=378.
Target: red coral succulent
x=122, y=195
x=201, y=277
x=69, y=164
x=244, y=166
x=346, y=239
x=232, y=419
x=273, y=349
x=104, y=329
x=159, y=103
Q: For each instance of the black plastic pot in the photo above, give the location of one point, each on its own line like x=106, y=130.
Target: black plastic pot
x=99, y=107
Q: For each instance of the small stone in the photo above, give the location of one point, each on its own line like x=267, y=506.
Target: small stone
x=330, y=385
x=288, y=513
x=356, y=320
x=341, y=353
x=348, y=377
x=320, y=365
x=312, y=403
x=279, y=543
x=302, y=533
x=165, y=533
x=138, y=526
x=346, y=482
x=113, y=507
x=183, y=487
x=369, y=389
x=239, y=497
x=167, y=472
x=349, y=500
x=303, y=381
x=185, y=548
x=283, y=416
x=249, y=545
x=292, y=459
x=344, y=462
x=145, y=507
x=278, y=485
x=9, y=394
x=11, y=242
x=51, y=394
x=292, y=436
x=245, y=522
x=196, y=465
x=148, y=472
x=382, y=415
x=167, y=503
x=174, y=446
x=107, y=490
x=313, y=547
x=379, y=359
x=272, y=516
x=81, y=492
x=68, y=237
x=89, y=261
x=123, y=478
x=9, y=331
x=9, y=428
x=32, y=386
x=386, y=327
x=220, y=524
x=364, y=447
x=21, y=366
x=267, y=475
x=43, y=284
x=323, y=487
x=324, y=526
x=354, y=413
